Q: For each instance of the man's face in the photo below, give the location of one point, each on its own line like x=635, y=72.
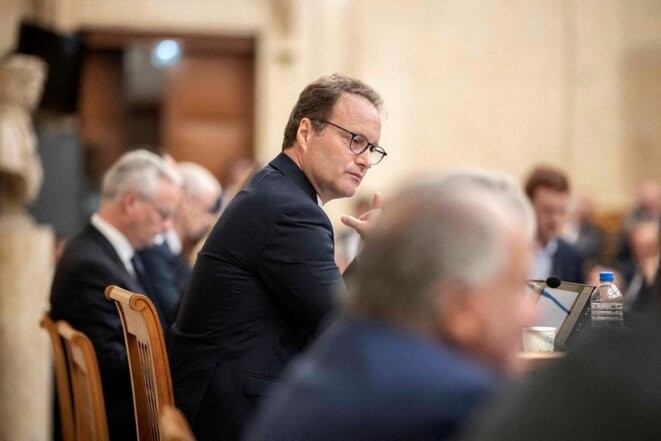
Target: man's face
x=151, y=217
x=199, y=214
x=644, y=241
x=327, y=161
x=502, y=308
x=551, y=211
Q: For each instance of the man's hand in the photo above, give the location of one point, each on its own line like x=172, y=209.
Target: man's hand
x=365, y=223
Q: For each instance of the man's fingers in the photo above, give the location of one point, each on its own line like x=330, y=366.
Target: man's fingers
x=350, y=221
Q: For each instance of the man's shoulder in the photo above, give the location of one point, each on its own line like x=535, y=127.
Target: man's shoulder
x=90, y=240
x=369, y=367
x=270, y=183
x=431, y=365
x=273, y=193
x=88, y=249
x=83, y=272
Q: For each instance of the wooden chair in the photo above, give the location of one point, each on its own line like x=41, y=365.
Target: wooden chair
x=62, y=383
x=90, y=410
x=148, y=360
x=173, y=425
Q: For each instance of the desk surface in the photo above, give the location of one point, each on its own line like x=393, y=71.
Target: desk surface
x=534, y=361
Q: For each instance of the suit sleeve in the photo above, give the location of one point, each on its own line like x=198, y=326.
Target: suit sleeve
x=298, y=264
x=83, y=304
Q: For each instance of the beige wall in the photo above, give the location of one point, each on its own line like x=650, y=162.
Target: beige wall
x=501, y=84
x=10, y=13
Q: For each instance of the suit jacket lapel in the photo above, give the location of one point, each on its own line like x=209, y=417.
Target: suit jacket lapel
x=96, y=236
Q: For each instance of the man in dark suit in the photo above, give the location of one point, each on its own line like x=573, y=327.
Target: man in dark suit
x=432, y=324
x=139, y=195
x=266, y=277
x=167, y=263
x=548, y=191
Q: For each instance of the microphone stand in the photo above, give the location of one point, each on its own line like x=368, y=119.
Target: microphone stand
x=552, y=282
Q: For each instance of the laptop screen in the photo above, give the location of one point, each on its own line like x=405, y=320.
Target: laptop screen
x=567, y=308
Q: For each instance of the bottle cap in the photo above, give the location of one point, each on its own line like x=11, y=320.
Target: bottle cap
x=606, y=276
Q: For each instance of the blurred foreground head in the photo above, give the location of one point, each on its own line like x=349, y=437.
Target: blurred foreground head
x=448, y=261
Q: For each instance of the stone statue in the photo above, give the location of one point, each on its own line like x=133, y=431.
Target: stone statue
x=24, y=282
x=22, y=79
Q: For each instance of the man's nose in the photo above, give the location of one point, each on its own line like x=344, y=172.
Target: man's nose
x=166, y=224
x=365, y=159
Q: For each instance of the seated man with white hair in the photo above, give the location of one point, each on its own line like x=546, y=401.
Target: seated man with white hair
x=139, y=196
x=168, y=263
x=432, y=324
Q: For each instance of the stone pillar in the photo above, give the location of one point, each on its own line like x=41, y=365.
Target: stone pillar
x=26, y=268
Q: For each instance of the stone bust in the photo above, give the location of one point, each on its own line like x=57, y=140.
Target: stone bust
x=22, y=78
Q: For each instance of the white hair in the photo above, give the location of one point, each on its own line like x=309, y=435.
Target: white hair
x=139, y=171
x=197, y=180
x=448, y=230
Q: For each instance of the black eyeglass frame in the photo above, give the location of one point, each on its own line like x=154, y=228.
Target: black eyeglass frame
x=372, y=147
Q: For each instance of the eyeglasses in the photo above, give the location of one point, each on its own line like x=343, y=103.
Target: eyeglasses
x=358, y=144
x=164, y=213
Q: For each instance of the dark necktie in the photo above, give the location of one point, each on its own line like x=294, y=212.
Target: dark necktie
x=141, y=273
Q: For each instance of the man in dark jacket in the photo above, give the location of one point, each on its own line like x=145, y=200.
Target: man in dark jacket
x=548, y=191
x=139, y=196
x=266, y=277
x=432, y=322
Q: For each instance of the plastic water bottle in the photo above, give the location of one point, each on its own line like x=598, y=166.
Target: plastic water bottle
x=606, y=303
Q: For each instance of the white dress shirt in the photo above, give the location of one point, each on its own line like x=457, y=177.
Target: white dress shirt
x=118, y=241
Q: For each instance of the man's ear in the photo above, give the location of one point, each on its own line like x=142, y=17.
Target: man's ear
x=128, y=201
x=458, y=313
x=304, y=132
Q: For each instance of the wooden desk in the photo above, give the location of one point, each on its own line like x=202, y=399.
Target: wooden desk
x=534, y=361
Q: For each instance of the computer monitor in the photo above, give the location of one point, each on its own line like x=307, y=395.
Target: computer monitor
x=567, y=308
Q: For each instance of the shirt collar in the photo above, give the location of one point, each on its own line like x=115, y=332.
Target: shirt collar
x=550, y=247
x=118, y=241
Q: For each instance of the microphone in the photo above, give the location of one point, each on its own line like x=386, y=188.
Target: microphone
x=553, y=281
x=538, y=286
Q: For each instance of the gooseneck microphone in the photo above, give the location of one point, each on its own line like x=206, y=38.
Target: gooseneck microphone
x=553, y=281
x=538, y=286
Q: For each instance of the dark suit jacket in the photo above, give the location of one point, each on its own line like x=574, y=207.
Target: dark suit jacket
x=261, y=285
x=568, y=263
x=366, y=381
x=89, y=264
x=167, y=275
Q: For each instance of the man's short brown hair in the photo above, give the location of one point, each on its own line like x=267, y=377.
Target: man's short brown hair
x=546, y=177
x=316, y=102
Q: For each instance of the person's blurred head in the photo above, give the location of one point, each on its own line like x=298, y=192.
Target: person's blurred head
x=644, y=240
x=139, y=196
x=548, y=191
x=448, y=261
x=332, y=134
x=583, y=209
x=649, y=198
x=200, y=203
